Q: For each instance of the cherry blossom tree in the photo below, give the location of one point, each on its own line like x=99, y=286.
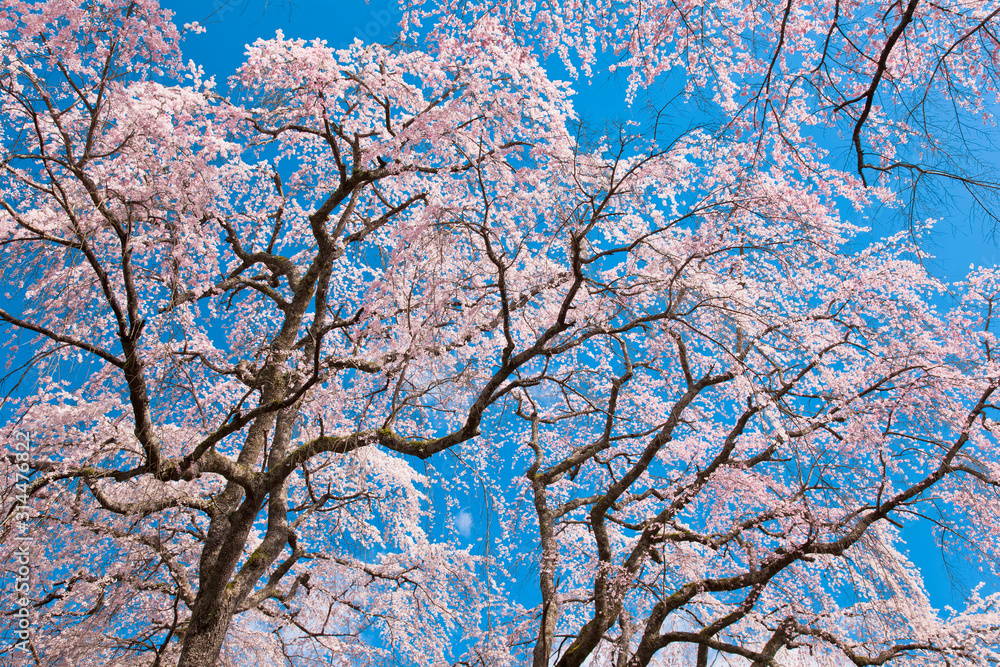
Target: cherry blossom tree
x=250, y=331
x=906, y=91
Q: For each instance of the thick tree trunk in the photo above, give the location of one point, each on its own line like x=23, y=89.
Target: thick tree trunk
x=205, y=635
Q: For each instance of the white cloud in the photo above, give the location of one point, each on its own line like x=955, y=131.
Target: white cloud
x=464, y=523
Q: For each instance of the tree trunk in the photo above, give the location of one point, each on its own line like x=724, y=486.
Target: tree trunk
x=205, y=635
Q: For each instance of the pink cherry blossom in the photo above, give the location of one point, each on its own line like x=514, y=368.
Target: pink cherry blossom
x=370, y=356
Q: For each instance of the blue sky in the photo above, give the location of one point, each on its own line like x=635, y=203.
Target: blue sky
x=958, y=241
